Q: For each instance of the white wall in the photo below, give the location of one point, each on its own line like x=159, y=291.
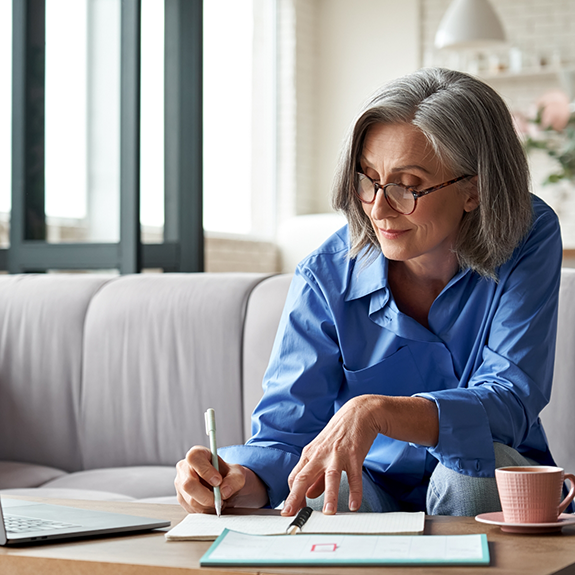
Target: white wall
x=333, y=54
x=361, y=44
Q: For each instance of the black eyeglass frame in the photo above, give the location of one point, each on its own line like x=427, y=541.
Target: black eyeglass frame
x=416, y=194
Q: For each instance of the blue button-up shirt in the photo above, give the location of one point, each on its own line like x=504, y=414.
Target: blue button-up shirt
x=486, y=360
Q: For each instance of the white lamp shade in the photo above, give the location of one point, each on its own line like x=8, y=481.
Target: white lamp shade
x=469, y=24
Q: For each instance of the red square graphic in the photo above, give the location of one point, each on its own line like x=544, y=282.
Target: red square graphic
x=323, y=547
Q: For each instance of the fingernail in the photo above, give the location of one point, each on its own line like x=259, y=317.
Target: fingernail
x=329, y=509
x=286, y=510
x=353, y=506
x=226, y=491
x=215, y=481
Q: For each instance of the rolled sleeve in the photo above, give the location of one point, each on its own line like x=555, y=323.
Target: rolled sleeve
x=465, y=441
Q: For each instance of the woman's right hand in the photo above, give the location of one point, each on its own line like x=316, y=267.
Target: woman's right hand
x=196, y=477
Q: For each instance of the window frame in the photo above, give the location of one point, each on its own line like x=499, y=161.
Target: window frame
x=183, y=246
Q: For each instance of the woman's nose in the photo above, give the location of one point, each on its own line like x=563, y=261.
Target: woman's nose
x=380, y=208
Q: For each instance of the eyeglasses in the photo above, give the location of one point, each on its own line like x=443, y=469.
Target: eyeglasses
x=400, y=198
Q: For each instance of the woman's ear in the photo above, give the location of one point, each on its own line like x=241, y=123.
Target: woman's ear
x=472, y=192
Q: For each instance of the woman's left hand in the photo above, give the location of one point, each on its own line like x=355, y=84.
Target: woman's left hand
x=345, y=441
x=341, y=446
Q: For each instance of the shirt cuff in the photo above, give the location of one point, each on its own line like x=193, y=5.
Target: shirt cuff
x=465, y=442
x=270, y=464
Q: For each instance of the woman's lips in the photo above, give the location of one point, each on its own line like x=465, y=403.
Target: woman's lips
x=391, y=234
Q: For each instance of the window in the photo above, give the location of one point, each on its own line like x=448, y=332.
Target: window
x=81, y=148
x=239, y=116
x=115, y=102
x=152, y=122
x=82, y=119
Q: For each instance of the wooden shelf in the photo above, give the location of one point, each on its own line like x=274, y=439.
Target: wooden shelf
x=527, y=75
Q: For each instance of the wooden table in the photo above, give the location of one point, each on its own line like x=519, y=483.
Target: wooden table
x=149, y=553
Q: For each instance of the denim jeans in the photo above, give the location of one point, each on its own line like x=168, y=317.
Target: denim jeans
x=449, y=492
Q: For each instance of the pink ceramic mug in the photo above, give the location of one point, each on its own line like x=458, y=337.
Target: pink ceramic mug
x=533, y=494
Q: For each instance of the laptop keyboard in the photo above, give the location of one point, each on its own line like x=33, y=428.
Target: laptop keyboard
x=18, y=524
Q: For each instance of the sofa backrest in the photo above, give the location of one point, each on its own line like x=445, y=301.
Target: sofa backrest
x=265, y=307
x=559, y=416
x=103, y=371
x=159, y=350
x=41, y=335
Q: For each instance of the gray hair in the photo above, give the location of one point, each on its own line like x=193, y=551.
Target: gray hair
x=471, y=130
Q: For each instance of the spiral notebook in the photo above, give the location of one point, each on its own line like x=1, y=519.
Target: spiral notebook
x=200, y=526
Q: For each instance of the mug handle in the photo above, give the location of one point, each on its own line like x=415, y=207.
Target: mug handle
x=570, y=495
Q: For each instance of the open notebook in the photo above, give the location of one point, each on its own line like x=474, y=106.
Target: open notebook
x=208, y=527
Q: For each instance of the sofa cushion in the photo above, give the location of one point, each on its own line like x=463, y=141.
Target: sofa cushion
x=159, y=350
x=557, y=417
x=16, y=474
x=170, y=500
x=41, y=336
x=137, y=482
x=265, y=307
x=60, y=493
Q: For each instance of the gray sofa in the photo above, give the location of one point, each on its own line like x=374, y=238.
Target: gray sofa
x=104, y=379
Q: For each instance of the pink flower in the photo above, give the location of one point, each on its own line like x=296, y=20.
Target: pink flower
x=555, y=110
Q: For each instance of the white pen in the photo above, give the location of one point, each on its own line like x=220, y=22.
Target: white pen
x=210, y=416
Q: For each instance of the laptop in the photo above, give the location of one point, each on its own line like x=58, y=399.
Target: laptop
x=27, y=522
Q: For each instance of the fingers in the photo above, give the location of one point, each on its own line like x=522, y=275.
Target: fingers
x=296, y=499
x=332, y=481
x=233, y=481
x=316, y=489
x=319, y=471
x=355, y=482
x=342, y=445
x=329, y=484
x=296, y=470
x=196, y=478
x=193, y=495
x=199, y=458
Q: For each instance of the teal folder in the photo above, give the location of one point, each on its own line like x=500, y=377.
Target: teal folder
x=241, y=549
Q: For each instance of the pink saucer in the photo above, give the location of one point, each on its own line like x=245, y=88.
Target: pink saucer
x=497, y=519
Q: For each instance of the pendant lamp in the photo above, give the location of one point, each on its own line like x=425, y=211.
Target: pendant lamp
x=470, y=24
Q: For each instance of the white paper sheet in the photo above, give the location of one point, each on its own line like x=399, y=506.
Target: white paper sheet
x=207, y=527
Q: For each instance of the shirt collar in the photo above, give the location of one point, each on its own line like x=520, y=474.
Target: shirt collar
x=368, y=275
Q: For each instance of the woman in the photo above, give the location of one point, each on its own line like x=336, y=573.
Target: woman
x=416, y=347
